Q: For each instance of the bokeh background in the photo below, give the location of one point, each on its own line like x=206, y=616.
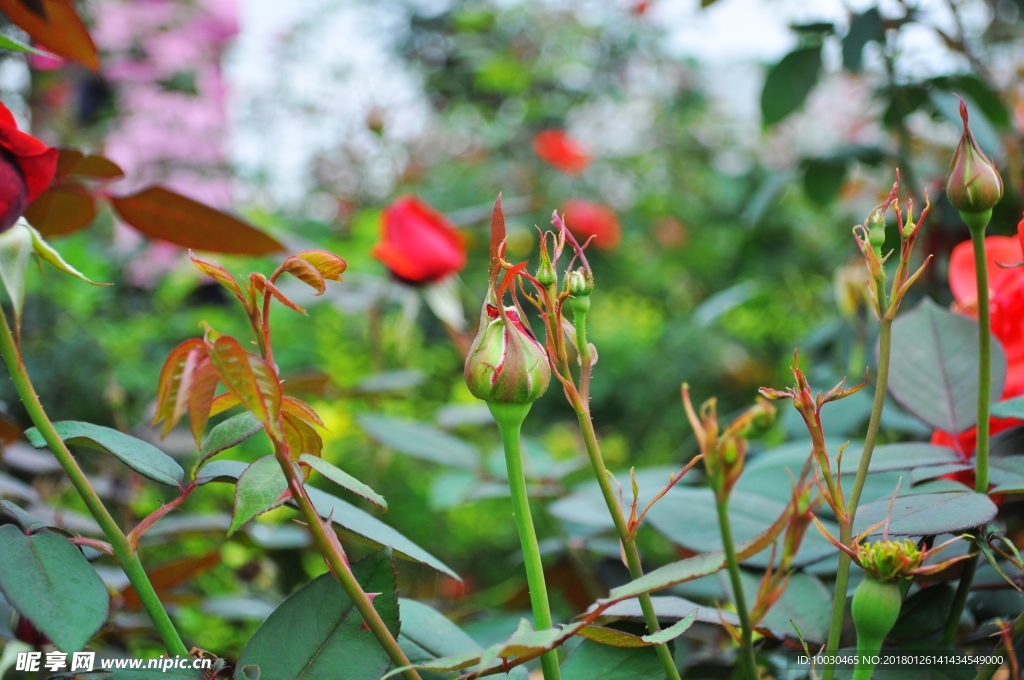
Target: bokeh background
x=735, y=145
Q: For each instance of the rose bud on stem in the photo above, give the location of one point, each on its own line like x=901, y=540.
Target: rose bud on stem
x=551, y=301
x=974, y=187
x=508, y=368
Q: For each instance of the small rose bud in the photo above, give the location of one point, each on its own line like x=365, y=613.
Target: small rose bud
x=546, y=274
x=506, y=364
x=581, y=282
x=876, y=231
x=973, y=184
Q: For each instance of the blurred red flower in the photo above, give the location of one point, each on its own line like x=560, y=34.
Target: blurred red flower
x=559, y=150
x=27, y=167
x=418, y=244
x=1006, y=307
x=585, y=219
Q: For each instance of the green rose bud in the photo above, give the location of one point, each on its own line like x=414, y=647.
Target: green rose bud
x=506, y=364
x=581, y=282
x=973, y=184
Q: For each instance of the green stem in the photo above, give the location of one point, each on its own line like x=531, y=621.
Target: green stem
x=627, y=541
x=338, y=562
x=846, y=527
x=747, y=658
x=510, y=419
x=126, y=555
x=977, y=222
x=1016, y=633
x=636, y=570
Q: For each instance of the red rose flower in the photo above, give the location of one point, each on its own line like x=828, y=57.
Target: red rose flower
x=585, y=219
x=418, y=244
x=27, y=167
x=1006, y=308
x=561, y=151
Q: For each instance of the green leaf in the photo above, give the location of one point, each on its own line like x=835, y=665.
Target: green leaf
x=258, y=489
x=987, y=99
x=46, y=252
x=864, y=28
x=363, y=525
x=9, y=43
x=344, y=480
x=612, y=637
x=221, y=471
x=672, y=632
x=788, y=84
x=315, y=634
x=928, y=514
x=227, y=434
x=29, y=523
x=1011, y=408
x=15, y=249
x=924, y=613
x=593, y=661
x=140, y=456
x=428, y=635
x=823, y=178
x=934, y=367
x=420, y=440
x=687, y=517
x=671, y=607
x=49, y=581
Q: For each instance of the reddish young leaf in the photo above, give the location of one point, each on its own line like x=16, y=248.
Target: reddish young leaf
x=250, y=379
x=64, y=208
x=170, y=575
x=301, y=437
x=58, y=28
x=89, y=166
x=305, y=272
x=260, y=284
x=169, y=383
x=223, y=402
x=221, y=276
x=163, y=214
x=200, y=398
x=303, y=411
x=330, y=266
x=9, y=430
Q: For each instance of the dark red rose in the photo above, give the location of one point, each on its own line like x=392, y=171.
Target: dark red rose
x=585, y=219
x=417, y=243
x=558, y=149
x=27, y=167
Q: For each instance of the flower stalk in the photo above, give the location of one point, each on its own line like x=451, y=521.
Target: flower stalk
x=125, y=552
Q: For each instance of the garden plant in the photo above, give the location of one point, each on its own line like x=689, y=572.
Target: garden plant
x=316, y=466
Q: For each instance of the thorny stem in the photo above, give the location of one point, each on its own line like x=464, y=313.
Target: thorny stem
x=977, y=224
x=1016, y=633
x=331, y=549
x=747, y=659
x=123, y=550
x=846, y=525
x=628, y=541
x=510, y=419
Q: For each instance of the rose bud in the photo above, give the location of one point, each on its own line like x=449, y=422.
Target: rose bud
x=585, y=219
x=973, y=184
x=561, y=151
x=418, y=244
x=27, y=167
x=506, y=364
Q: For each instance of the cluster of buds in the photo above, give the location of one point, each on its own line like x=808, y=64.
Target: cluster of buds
x=809, y=406
x=870, y=237
x=725, y=450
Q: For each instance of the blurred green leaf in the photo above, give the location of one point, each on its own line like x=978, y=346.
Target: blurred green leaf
x=864, y=28
x=788, y=83
x=49, y=582
x=593, y=661
x=934, y=372
x=140, y=456
x=419, y=440
x=928, y=514
x=823, y=178
x=317, y=632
